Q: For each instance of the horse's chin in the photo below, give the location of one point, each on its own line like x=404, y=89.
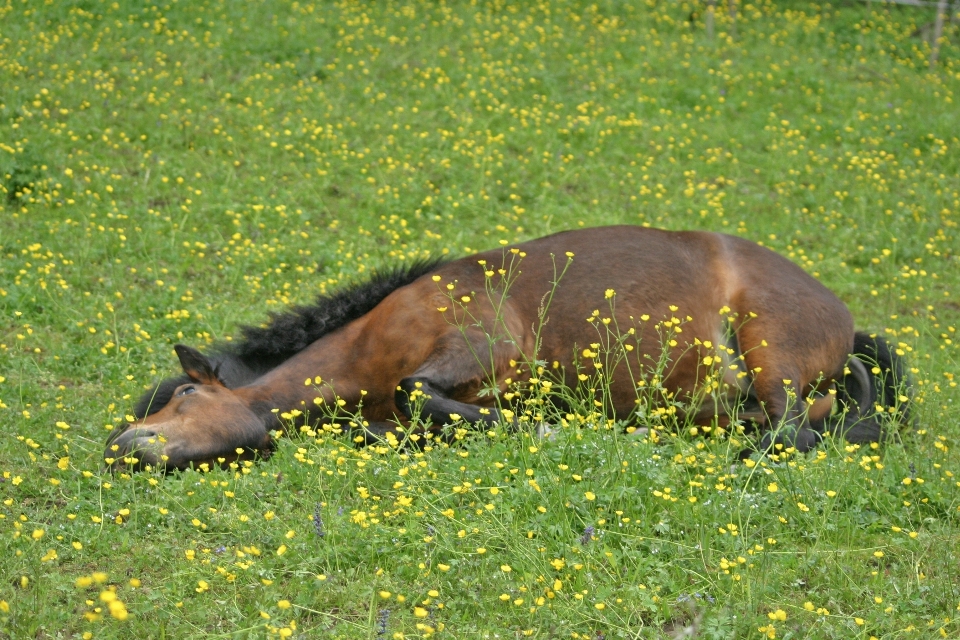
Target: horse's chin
x=136, y=449
x=143, y=449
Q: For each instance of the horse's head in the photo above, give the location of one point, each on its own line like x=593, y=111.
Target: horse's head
x=203, y=421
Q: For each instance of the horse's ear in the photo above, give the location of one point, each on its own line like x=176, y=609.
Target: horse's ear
x=196, y=365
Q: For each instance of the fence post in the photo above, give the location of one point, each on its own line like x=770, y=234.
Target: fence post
x=937, y=33
x=711, y=6
x=732, y=10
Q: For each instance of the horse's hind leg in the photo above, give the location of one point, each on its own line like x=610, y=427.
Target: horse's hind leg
x=776, y=384
x=787, y=423
x=452, y=374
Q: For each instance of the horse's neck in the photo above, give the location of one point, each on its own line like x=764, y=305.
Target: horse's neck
x=322, y=370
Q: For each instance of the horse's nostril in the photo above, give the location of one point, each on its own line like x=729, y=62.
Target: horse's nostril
x=133, y=449
x=130, y=440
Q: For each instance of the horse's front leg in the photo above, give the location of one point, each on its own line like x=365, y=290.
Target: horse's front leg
x=438, y=407
x=437, y=390
x=787, y=422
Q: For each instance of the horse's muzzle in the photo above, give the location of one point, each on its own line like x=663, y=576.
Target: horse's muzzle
x=135, y=449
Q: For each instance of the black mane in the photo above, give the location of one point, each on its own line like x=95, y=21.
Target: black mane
x=290, y=332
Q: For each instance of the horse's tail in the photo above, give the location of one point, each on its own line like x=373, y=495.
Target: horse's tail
x=875, y=392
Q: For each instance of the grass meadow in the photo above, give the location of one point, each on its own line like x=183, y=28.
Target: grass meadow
x=171, y=171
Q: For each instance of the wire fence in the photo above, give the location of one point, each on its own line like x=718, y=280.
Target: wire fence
x=914, y=3
x=947, y=13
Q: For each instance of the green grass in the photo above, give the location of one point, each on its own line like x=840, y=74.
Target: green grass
x=169, y=172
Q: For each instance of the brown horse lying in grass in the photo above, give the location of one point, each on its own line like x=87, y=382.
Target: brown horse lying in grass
x=730, y=330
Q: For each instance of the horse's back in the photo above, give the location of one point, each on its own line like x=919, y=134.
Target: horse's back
x=623, y=272
x=651, y=272
x=562, y=287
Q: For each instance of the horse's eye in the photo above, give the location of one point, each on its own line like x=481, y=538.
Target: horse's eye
x=186, y=391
